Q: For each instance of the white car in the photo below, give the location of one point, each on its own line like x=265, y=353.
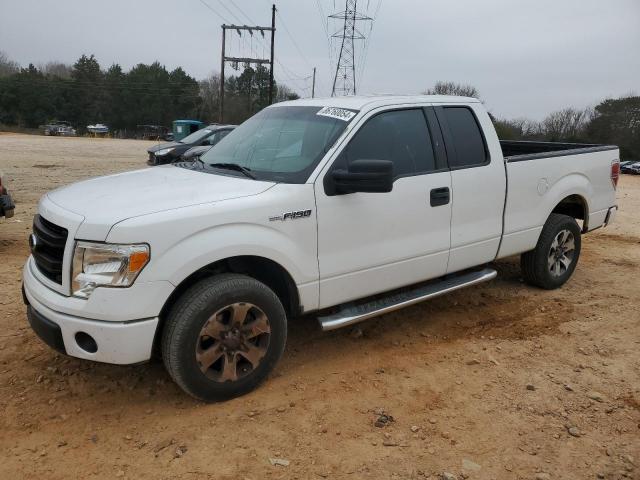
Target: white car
x=310, y=206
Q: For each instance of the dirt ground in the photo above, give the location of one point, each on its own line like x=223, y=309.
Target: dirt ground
x=498, y=381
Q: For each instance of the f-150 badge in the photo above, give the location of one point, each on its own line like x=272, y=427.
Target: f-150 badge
x=291, y=216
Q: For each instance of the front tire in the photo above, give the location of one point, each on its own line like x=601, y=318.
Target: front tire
x=223, y=337
x=556, y=255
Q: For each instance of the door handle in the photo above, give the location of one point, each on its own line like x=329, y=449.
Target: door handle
x=440, y=196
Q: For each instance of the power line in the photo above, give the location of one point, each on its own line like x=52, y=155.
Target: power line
x=295, y=44
x=242, y=12
x=260, y=41
x=367, y=43
x=214, y=11
x=230, y=12
x=323, y=17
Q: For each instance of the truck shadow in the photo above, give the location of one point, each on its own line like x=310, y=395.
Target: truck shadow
x=503, y=308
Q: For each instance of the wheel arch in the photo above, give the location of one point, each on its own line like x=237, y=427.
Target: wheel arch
x=574, y=206
x=263, y=269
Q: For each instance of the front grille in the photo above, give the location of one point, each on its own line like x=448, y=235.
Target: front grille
x=48, y=247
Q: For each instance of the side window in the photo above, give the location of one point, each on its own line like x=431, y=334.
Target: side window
x=216, y=137
x=467, y=138
x=222, y=134
x=401, y=136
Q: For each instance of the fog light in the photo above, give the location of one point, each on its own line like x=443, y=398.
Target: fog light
x=86, y=342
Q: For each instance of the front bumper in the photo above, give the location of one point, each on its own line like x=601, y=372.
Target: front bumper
x=58, y=321
x=154, y=160
x=6, y=205
x=49, y=332
x=120, y=343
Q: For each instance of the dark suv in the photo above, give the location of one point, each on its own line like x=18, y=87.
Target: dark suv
x=6, y=204
x=171, y=152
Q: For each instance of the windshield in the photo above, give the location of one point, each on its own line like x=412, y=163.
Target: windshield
x=282, y=144
x=197, y=136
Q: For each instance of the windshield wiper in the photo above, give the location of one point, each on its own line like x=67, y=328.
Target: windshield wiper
x=234, y=166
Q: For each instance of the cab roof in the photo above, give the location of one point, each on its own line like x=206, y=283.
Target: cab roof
x=366, y=102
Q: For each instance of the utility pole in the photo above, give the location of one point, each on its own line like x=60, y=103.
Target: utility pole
x=344, y=81
x=273, y=35
x=224, y=36
x=313, y=85
x=247, y=60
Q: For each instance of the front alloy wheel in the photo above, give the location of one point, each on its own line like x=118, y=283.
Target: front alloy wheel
x=233, y=342
x=223, y=336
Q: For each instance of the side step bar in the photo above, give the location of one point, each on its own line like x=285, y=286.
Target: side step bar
x=351, y=313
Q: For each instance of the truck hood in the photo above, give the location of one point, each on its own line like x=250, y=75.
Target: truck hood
x=105, y=201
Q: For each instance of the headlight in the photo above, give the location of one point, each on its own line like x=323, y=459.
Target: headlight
x=105, y=265
x=164, y=151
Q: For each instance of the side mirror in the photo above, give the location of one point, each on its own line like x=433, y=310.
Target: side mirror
x=370, y=176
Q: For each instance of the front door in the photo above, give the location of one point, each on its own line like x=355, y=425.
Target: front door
x=374, y=242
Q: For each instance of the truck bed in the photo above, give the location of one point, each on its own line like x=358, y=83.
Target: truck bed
x=521, y=150
x=577, y=174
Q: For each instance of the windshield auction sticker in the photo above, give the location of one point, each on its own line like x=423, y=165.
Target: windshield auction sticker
x=339, y=113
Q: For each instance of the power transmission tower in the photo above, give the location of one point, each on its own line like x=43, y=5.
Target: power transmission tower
x=260, y=61
x=344, y=81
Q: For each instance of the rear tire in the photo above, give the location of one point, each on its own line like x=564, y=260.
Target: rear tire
x=556, y=255
x=223, y=337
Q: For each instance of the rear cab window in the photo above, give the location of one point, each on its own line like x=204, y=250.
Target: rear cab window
x=464, y=139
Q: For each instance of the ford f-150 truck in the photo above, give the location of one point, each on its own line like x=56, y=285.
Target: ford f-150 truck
x=346, y=207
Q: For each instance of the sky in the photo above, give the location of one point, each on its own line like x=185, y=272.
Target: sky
x=526, y=58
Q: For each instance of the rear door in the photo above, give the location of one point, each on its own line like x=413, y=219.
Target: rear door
x=375, y=242
x=478, y=183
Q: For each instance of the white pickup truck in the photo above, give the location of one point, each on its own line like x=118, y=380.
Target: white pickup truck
x=348, y=207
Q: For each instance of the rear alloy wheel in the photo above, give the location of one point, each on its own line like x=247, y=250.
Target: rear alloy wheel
x=561, y=253
x=556, y=255
x=223, y=336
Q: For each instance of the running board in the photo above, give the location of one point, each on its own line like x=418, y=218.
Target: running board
x=351, y=313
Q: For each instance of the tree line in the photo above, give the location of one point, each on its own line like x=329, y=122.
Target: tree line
x=613, y=121
x=84, y=93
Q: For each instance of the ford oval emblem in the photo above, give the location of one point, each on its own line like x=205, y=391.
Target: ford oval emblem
x=33, y=242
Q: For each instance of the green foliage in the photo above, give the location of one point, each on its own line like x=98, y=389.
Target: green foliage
x=613, y=121
x=7, y=66
x=84, y=94
x=248, y=93
x=617, y=121
x=148, y=94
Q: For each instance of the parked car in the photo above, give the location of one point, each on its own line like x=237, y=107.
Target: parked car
x=154, y=132
x=348, y=208
x=631, y=167
x=197, y=152
x=58, y=128
x=172, y=151
x=624, y=166
x=98, y=129
x=6, y=203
